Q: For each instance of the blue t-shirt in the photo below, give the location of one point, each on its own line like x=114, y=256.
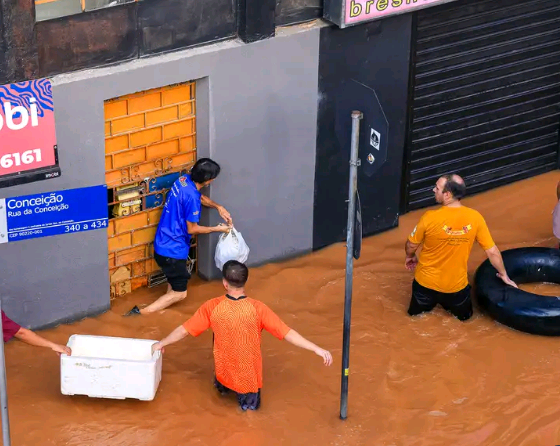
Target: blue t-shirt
x=182, y=205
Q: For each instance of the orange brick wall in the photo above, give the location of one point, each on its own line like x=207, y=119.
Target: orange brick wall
x=147, y=134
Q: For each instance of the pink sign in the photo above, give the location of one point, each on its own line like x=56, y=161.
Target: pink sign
x=27, y=128
x=364, y=10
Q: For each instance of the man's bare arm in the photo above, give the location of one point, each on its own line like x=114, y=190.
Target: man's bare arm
x=293, y=337
x=32, y=338
x=175, y=336
x=497, y=262
x=410, y=248
x=205, y=201
x=195, y=229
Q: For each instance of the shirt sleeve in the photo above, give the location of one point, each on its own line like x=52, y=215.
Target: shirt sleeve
x=271, y=322
x=9, y=327
x=200, y=321
x=417, y=234
x=191, y=208
x=483, y=236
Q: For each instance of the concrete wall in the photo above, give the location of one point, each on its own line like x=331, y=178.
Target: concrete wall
x=48, y=280
x=257, y=115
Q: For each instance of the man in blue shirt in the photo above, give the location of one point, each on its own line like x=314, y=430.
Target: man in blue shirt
x=178, y=222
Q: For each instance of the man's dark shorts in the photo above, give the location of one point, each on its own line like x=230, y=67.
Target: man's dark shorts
x=175, y=271
x=425, y=299
x=247, y=401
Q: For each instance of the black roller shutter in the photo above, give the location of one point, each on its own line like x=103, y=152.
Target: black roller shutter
x=486, y=94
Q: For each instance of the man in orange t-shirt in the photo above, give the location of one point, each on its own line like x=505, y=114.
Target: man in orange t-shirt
x=237, y=322
x=447, y=235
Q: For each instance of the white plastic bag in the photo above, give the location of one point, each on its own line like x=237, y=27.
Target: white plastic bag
x=231, y=246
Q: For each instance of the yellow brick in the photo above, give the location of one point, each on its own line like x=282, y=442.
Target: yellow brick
x=187, y=144
x=163, y=149
x=115, y=109
x=127, y=124
x=139, y=283
x=130, y=255
x=138, y=269
x=119, y=242
x=144, y=236
x=135, y=221
x=110, y=229
x=113, y=179
x=129, y=157
x=186, y=110
x=152, y=266
x=183, y=160
x=177, y=94
x=108, y=163
x=107, y=129
x=154, y=216
x=112, y=260
x=116, y=144
x=180, y=128
x=145, y=170
x=150, y=250
x=145, y=137
x=143, y=103
x=164, y=115
x=133, y=95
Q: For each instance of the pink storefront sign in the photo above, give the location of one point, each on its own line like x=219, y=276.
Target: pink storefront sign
x=351, y=12
x=28, y=147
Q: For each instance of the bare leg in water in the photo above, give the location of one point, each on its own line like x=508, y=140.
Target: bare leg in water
x=169, y=298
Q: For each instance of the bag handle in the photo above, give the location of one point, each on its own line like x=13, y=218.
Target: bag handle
x=232, y=231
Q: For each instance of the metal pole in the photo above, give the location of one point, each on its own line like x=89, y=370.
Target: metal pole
x=3, y=391
x=353, y=185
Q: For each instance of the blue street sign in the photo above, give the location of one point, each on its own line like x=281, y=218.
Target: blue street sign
x=53, y=213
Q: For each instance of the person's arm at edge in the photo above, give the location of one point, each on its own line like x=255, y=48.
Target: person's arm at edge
x=32, y=338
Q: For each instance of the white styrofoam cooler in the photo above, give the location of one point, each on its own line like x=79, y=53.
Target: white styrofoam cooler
x=110, y=367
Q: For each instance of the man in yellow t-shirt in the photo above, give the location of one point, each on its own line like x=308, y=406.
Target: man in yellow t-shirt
x=447, y=235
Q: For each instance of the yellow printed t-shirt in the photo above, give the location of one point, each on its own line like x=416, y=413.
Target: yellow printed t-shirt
x=447, y=235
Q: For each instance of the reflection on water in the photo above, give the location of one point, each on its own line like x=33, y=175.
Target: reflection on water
x=424, y=381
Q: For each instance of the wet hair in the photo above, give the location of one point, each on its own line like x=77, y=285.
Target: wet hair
x=456, y=187
x=204, y=170
x=235, y=273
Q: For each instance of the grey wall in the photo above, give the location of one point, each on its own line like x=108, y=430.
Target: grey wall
x=54, y=279
x=257, y=115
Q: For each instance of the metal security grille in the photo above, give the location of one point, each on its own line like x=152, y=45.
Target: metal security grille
x=150, y=140
x=486, y=94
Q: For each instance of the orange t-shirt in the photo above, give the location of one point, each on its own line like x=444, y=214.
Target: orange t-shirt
x=448, y=235
x=237, y=326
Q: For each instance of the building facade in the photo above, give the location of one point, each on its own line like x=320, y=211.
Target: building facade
x=142, y=89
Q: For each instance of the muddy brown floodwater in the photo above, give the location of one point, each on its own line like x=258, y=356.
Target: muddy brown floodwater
x=428, y=381
x=543, y=289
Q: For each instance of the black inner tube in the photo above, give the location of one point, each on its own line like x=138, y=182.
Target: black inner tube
x=524, y=311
